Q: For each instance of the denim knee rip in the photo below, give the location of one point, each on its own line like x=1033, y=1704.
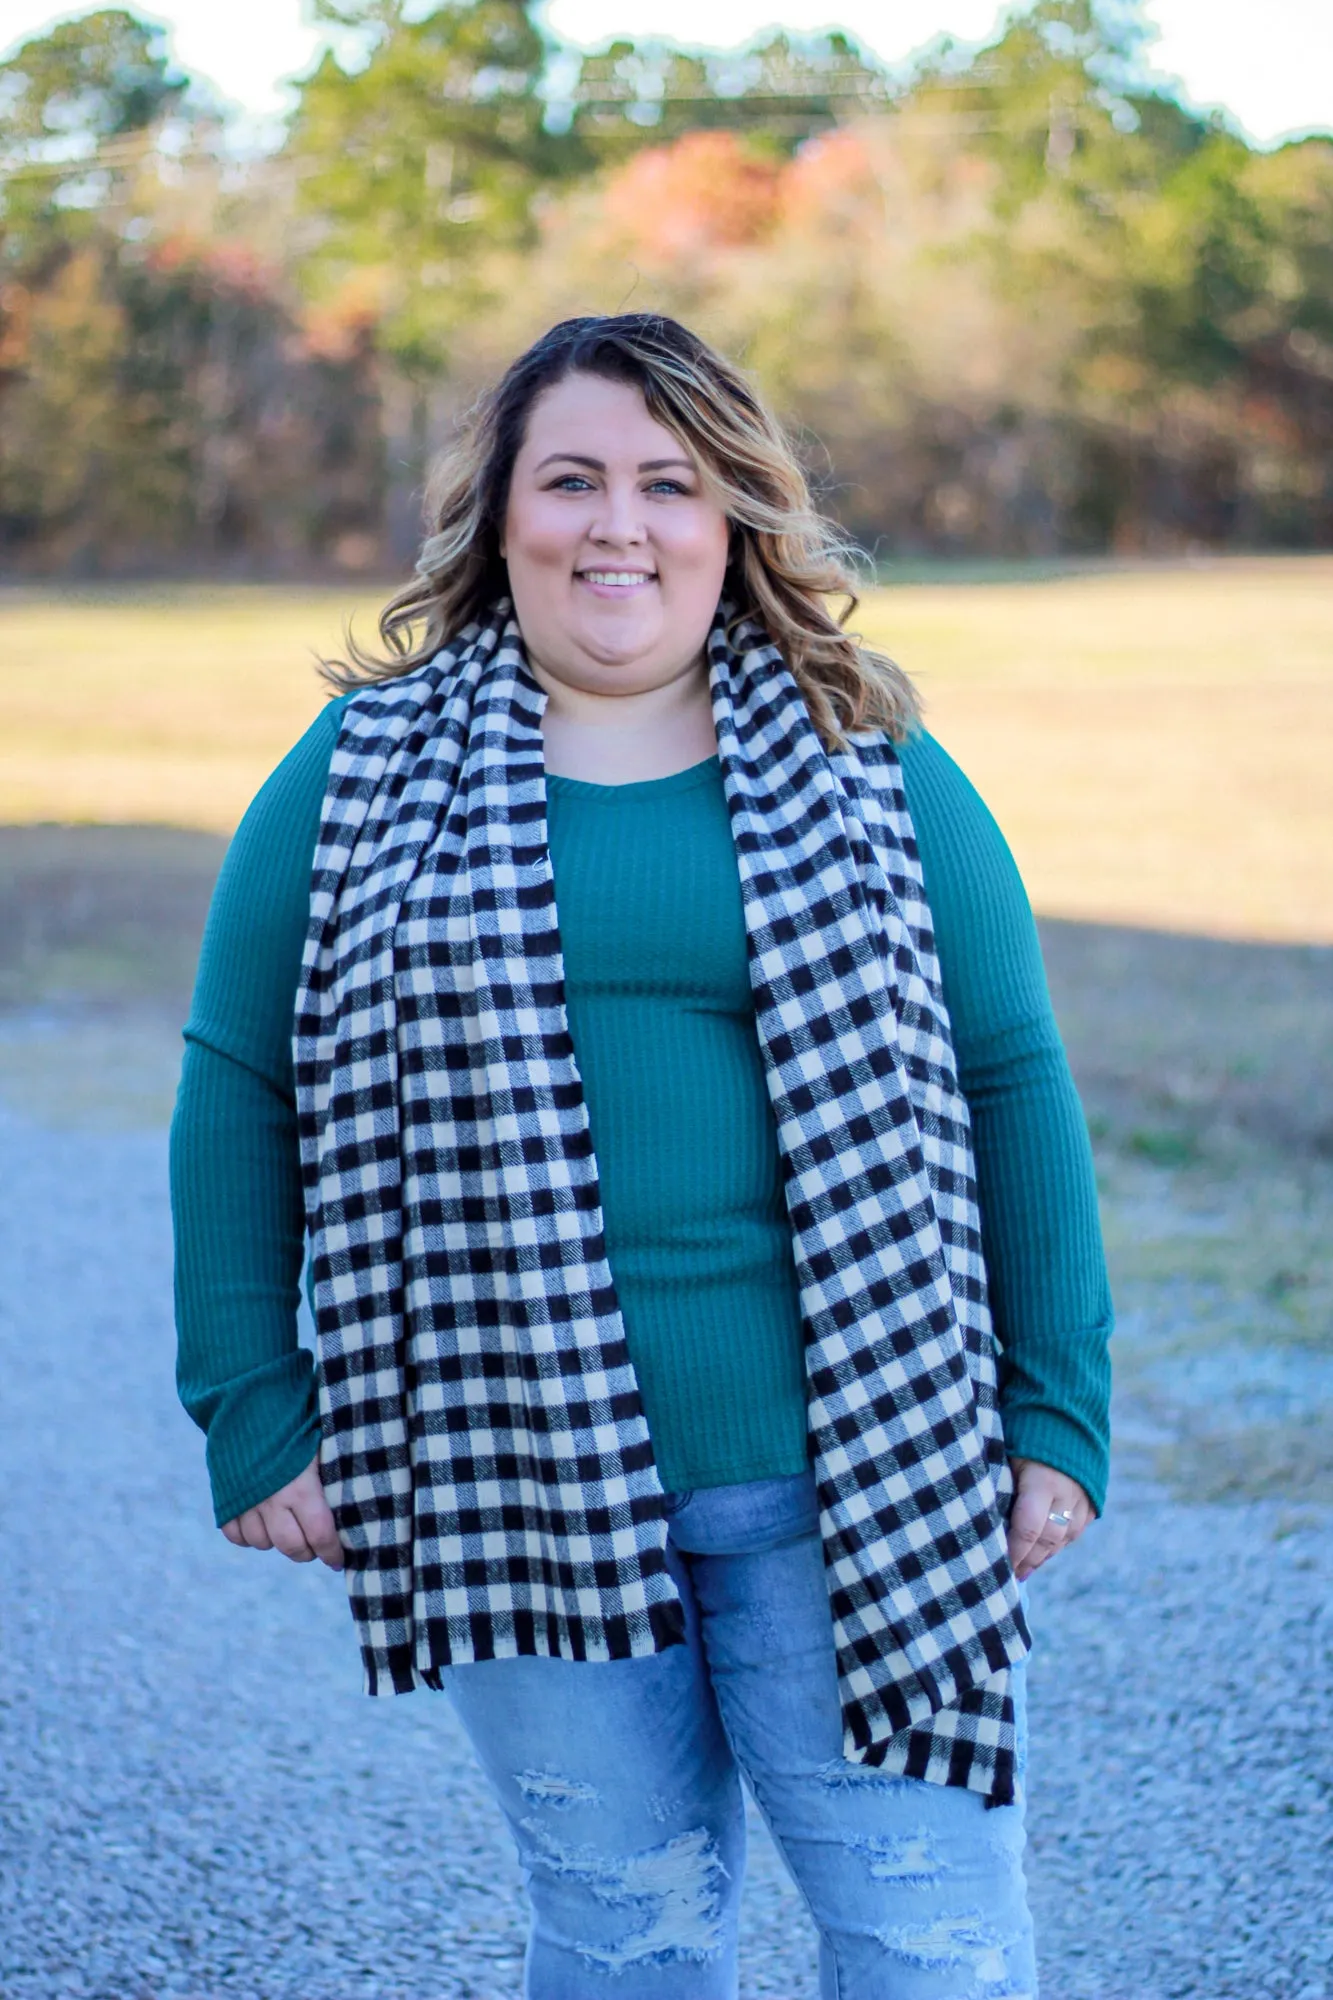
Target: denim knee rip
x=909, y=1858
x=675, y=1890
x=549, y=1788
x=957, y=1942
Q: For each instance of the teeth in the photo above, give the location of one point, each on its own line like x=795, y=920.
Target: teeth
x=615, y=576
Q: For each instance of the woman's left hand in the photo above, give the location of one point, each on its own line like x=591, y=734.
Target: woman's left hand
x=1041, y=1493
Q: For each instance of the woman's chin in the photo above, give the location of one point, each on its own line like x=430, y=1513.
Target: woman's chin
x=620, y=639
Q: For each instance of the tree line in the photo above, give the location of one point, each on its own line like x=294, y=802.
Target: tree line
x=1013, y=302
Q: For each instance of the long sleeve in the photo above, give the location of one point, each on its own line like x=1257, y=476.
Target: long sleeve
x=235, y=1162
x=1040, y=1228
x=236, y=1184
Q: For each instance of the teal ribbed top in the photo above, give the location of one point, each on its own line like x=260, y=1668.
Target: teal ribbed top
x=657, y=988
x=657, y=984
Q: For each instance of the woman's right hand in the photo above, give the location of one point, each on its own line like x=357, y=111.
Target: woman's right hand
x=296, y=1519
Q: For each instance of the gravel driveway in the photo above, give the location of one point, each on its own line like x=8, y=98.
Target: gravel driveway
x=196, y=1800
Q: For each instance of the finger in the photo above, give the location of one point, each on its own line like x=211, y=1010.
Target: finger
x=288, y=1536
x=1037, y=1536
x=1029, y=1558
x=1037, y=1555
x=1027, y=1523
x=1020, y=1546
x=1077, y=1513
x=320, y=1530
x=232, y=1530
x=1053, y=1537
x=1048, y=1543
x=254, y=1534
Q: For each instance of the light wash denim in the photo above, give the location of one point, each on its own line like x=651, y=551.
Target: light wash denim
x=621, y=1784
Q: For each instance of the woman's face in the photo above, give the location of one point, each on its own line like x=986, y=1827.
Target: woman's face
x=616, y=551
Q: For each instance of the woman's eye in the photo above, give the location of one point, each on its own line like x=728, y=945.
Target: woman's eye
x=575, y=482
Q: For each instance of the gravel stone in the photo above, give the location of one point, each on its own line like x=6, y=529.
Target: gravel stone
x=197, y=1801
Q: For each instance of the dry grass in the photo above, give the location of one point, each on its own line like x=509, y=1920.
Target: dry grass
x=165, y=706
x=1157, y=743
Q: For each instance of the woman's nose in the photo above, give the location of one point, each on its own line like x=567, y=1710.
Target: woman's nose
x=619, y=518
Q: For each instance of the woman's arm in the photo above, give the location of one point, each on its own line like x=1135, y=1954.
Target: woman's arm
x=1049, y=1290
x=235, y=1164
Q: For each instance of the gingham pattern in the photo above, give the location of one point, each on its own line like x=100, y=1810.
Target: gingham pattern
x=484, y=1449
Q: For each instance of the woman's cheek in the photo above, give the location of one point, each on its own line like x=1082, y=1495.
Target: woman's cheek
x=546, y=547
x=542, y=535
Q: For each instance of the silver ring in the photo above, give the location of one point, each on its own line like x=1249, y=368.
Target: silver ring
x=1060, y=1517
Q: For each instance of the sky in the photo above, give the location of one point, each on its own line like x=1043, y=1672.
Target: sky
x=1268, y=62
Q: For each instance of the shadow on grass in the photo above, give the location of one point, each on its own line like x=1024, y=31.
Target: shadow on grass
x=1206, y=1069
x=1184, y=1047
x=103, y=916
x=1188, y=1048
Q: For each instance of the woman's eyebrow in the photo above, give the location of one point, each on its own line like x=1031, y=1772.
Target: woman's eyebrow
x=597, y=465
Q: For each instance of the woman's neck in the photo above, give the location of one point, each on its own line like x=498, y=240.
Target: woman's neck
x=624, y=739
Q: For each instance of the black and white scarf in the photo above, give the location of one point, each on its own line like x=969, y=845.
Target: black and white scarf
x=484, y=1445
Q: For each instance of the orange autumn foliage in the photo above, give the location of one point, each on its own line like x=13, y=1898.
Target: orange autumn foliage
x=341, y=325
x=230, y=265
x=705, y=192
x=831, y=181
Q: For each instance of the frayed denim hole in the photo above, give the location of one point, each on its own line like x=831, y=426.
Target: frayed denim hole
x=950, y=1942
x=550, y=1788
x=910, y=1858
x=840, y=1775
x=676, y=1888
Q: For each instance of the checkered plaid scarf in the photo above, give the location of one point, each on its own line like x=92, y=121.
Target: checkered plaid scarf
x=484, y=1445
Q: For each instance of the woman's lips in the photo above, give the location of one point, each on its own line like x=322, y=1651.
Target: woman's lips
x=613, y=583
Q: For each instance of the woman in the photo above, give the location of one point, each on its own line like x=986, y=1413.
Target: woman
x=655, y=1416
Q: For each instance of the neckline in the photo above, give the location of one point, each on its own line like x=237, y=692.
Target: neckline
x=675, y=781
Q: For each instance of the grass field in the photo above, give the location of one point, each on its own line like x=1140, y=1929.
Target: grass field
x=1158, y=745
x=1156, y=742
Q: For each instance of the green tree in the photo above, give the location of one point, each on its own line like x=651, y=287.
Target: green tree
x=1022, y=300
x=777, y=94
x=422, y=167
x=424, y=161
x=78, y=108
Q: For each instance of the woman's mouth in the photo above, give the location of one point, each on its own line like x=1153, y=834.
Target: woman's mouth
x=616, y=582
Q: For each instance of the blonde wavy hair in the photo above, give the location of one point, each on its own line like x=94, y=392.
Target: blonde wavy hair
x=786, y=559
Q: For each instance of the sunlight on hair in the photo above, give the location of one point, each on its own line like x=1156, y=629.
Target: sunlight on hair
x=787, y=563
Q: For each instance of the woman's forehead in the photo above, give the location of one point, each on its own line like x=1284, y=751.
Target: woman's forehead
x=589, y=415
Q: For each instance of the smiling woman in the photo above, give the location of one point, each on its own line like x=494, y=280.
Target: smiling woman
x=783, y=561
x=616, y=546
x=703, y=1241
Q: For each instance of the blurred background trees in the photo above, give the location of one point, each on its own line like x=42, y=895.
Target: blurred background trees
x=1014, y=303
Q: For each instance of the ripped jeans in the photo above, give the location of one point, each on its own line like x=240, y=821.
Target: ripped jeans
x=620, y=1781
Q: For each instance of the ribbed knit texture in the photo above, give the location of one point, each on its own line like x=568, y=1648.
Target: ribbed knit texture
x=657, y=985
x=236, y=1194
x=653, y=936
x=1049, y=1290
